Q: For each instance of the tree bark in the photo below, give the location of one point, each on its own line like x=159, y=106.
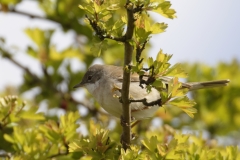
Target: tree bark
x=128, y=52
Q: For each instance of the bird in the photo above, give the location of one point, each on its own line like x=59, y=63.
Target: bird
x=104, y=82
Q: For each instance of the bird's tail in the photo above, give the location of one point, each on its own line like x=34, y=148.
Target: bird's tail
x=207, y=84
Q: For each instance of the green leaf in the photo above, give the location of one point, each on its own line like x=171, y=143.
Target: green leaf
x=131, y=153
x=10, y=2
x=176, y=71
x=164, y=9
x=67, y=53
x=158, y=84
x=141, y=35
x=150, y=61
x=161, y=57
x=158, y=28
x=26, y=142
x=68, y=124
x=118, y=24
x=31, y=114
x=151, y=144
x=164, y=96
x=232, y=152
x=8, y=138
x=98, y=48
x=173, y=87
x=32, y=52
x=117, y=29
x=185, y=104
x=182, y=101
x=75, y=147
x=39, y=37
x=87, y=7
x=162, y=150
x=124, y=19
x=96, y=145
x=161, y=63
x=52, y=131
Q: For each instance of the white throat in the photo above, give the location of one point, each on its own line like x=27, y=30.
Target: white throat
x=91, y=87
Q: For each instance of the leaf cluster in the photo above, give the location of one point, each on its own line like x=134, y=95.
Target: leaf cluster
x=108, y=24
x=158, y=75
x=47, y=139
x=29, y=135
x=162, y=144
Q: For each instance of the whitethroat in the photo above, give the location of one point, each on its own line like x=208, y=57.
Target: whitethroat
x=105, y=81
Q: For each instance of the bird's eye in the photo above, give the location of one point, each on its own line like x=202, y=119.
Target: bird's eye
x=89, y=78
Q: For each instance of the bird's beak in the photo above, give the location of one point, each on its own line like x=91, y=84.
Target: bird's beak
x=78, y=85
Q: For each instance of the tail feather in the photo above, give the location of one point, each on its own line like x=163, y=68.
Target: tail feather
x=207, y=84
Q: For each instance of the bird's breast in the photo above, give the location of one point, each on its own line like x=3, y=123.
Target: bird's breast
x=104, y=91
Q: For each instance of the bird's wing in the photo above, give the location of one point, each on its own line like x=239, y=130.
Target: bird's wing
x=117, y=72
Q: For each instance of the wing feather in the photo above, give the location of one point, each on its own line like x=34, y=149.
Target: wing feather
x=117, y=72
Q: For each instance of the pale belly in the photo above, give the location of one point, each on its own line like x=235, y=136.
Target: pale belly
x=111, y=104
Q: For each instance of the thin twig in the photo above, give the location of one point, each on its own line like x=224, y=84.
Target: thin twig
x=47, y=18
x=10, y=58
x=5, y=155
x=101, y=33
x=135, y=123
x=138, y=8
x=144, y=101
x=139, y=50
x=6, y=116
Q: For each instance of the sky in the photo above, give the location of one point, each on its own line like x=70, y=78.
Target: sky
x=204, y=31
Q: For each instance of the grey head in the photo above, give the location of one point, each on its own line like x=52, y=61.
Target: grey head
x=93, y=74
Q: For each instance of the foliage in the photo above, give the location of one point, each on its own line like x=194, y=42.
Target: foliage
x=25, y=133
x=61, y=140
x=226, y=109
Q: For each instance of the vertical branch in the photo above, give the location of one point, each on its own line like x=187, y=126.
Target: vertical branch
x=126, y=115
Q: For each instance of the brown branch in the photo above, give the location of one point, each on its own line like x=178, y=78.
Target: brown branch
x=144, y=101
x=7, y=55
x=14, y=11
x=150, y=80
x=3, y=124
x=139, y=50
x=126, y=115
x=138, y=8
x=5, y=155
x=47, y=18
